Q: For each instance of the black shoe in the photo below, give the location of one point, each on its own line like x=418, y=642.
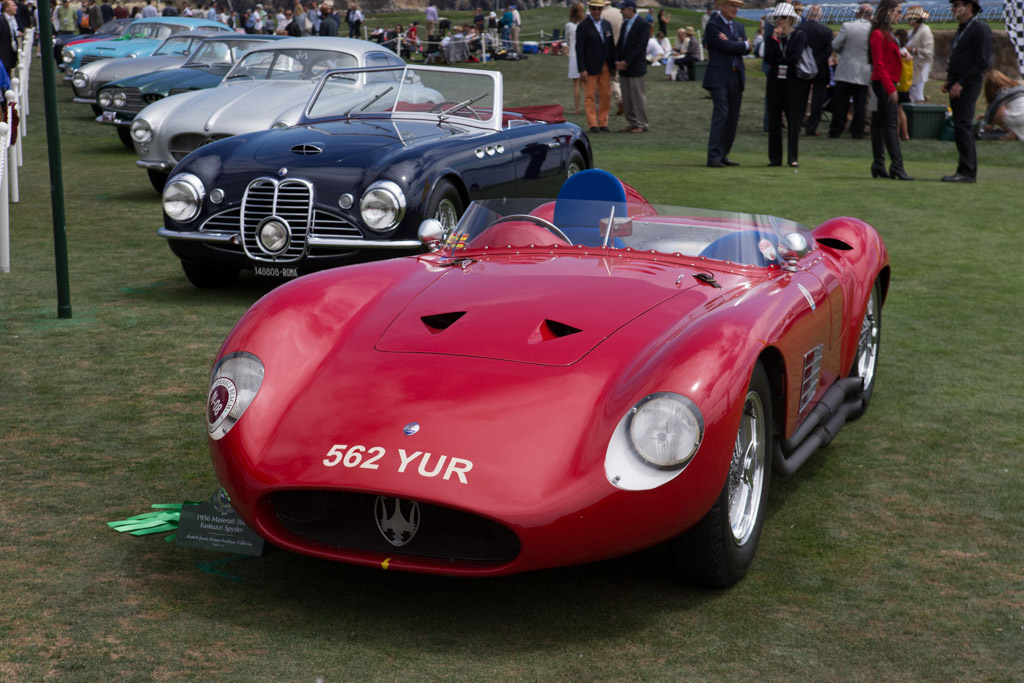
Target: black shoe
x=857, y=137
x=594, y=129
x=730, y=162
x=716, y=164
x=771, y=165
x=879, y=172
x=606, y=129
x=958, y=178
x=898, y=174
x=834, y=136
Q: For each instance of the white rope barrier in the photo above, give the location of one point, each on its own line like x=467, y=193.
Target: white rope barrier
x=5, y=228
x=12, y=150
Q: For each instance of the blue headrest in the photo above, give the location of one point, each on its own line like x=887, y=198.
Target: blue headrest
x=587, y=198
x=742, y=247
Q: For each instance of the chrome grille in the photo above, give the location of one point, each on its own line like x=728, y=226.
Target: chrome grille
x=811, y=375
x=133, y=101
x=225, y=222
x=289, y=200
x=186, y=143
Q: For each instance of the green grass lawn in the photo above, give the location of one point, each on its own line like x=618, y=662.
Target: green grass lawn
x=895, y=554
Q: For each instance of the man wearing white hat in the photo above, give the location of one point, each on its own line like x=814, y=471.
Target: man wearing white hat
x=595, y=57
x=724, y=78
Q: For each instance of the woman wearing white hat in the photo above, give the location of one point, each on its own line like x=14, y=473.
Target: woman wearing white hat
x=786, y=91
x=921, y=45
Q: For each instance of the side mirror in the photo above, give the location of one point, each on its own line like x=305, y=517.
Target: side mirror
x=431, y=234
x=792, y=248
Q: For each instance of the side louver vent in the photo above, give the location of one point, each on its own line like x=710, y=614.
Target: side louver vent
x=441, y=321
x=552, y=329
x=306, y=150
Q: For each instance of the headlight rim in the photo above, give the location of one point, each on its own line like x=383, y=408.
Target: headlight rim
x=392, y=189
x=241, y=388
x=198, y=189
x=79, y=79
x=104, y=95
x=137, y=125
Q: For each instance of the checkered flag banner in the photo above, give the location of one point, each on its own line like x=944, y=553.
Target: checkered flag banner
x=1013, y=15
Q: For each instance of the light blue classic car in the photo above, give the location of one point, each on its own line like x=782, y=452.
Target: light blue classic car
x=141, y=39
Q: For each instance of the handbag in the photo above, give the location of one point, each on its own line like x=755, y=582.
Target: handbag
x=806, y=67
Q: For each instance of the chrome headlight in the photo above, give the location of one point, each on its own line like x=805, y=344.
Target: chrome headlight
x=665, y=429
x=104, y=99
x=119, y=99
x=142, y=132
x=67, y=56
x=382, y=206
x=183, y=197
x=79, y=80
x=233, y=385
x=653, y=442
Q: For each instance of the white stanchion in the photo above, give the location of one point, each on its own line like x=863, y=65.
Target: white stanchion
x=5, y=227
x=12, y=150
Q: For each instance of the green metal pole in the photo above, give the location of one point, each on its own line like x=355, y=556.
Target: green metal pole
x=60, y=237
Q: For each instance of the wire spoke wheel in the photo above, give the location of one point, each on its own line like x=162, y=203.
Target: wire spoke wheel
x=746, y=474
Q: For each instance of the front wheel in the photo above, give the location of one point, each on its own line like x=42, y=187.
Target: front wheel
x=125, y=133
x=157, y=179
x=209, y=277
x=445, y=206
x=719, y=550
x=576, y=163
x=865, y=363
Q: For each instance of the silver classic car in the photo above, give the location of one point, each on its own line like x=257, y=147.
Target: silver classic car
x=267, y=88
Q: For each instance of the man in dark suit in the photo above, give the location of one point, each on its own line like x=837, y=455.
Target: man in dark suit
x=632, y=67
x=969, y=59
x=727, y=42
x=819, y=39
x=595, y=57
x=9, y=37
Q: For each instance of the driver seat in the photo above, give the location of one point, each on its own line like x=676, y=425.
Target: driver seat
x=586, y=199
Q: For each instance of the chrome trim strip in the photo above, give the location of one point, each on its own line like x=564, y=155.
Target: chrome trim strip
x=195, y=236
x=158, y=165
x=363, y=244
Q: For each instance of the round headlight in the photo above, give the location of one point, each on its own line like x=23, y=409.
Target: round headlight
x=183, y=197
x=665, y=429
x=119, y=99
x=104, y=99
x=67, y=56
x=234, y=382
x=142, y=132
x=79, y=80
x=382, y=206
x=273, y=236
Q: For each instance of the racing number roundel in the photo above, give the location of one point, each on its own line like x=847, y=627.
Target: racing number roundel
x=220, y=402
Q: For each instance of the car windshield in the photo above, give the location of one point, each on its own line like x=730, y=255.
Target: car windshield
x=409, y=91
x=216, y=52
x=739, y=238
x=177, y=45
x=289, y=65
x=149, y=29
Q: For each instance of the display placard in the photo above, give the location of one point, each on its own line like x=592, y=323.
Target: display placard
x=214, y=525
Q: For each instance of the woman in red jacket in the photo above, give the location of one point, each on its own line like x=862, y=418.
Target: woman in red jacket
x=885, y=73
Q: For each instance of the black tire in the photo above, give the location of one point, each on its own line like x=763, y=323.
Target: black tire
x=209, y=277
x=445, y=205
x=157, y=179
x=865, y=363
x=575, y=164
x=96, y=109
x=125, y=133
x=713, y=553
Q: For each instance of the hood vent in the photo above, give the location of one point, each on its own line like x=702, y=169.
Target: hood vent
x=552, y=329
x=441, y=321
x=307, y=150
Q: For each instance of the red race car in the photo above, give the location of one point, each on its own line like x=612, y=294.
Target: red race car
x=555, y=382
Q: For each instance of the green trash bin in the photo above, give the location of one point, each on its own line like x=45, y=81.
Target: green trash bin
x=698, y=71
x=924, y=120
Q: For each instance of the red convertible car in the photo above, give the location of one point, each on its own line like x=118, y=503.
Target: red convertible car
x=555, y=382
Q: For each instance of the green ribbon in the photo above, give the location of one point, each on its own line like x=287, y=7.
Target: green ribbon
x=153, y=522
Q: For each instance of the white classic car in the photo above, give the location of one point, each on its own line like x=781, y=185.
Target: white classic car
x=267, y=88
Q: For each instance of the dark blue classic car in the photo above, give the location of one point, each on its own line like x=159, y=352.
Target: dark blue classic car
x=376, y=151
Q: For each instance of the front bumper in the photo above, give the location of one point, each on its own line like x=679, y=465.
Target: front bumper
x=312, y=241
x=113, y=118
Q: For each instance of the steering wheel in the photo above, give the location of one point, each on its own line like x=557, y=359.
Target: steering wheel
x=536, y=220
x=440, y=105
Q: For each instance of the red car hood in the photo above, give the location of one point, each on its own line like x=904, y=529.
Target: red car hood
x=545, y=315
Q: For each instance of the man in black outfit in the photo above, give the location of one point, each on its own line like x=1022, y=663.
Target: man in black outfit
x=632, y=67
x=969, y=59
x=595, y=56
x=726, y=40
x=819, y=39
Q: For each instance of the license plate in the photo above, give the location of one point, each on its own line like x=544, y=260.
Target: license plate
x=273, y=271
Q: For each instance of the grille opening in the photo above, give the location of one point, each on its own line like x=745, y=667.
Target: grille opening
x=441, y=321
x=350, y=520
x=552, y=329
x=835, y=244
